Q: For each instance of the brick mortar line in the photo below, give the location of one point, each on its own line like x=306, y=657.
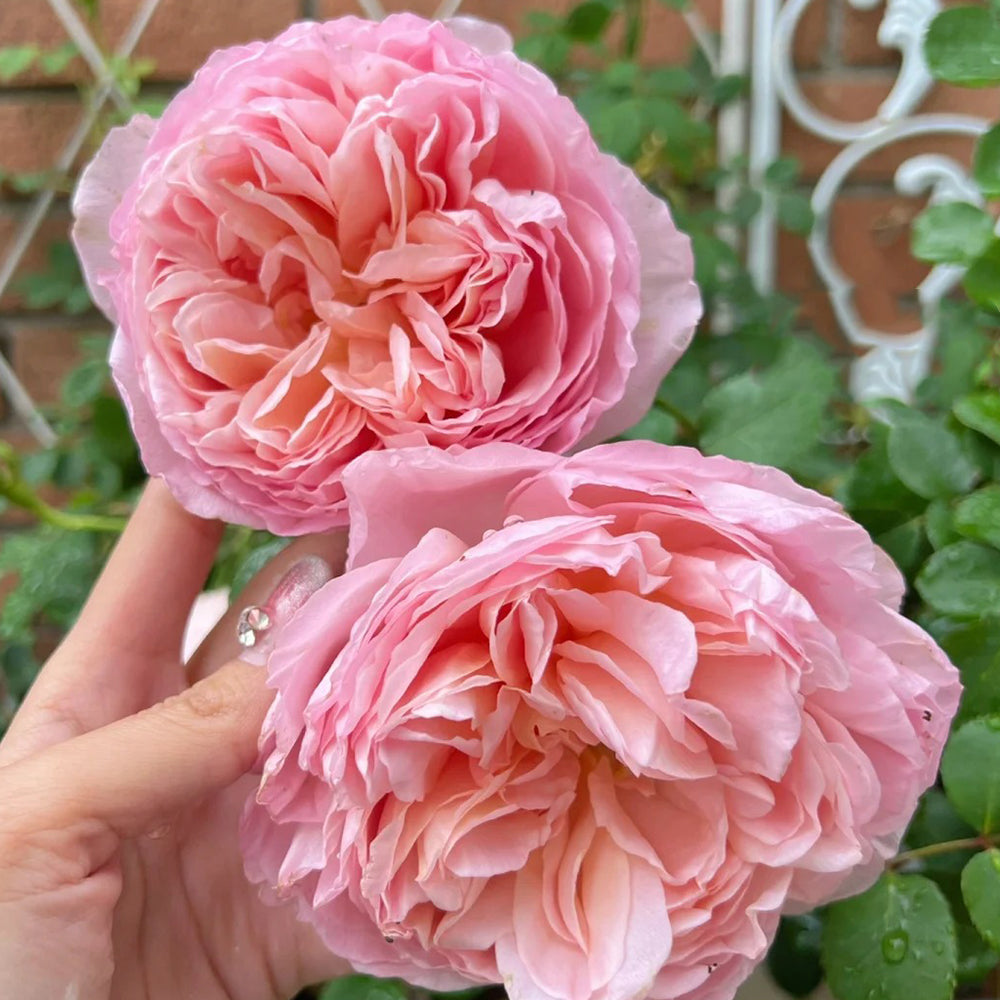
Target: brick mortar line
x=39, y=95
x=25, y=319
x=14, y=209
x=155, y=87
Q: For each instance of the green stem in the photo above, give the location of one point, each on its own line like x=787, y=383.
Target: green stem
x=633, y=28
x=102, y=523
x=18, y=492
x=945, y=847
x=685, y=423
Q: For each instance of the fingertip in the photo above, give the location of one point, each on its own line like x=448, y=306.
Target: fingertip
x=158, y=502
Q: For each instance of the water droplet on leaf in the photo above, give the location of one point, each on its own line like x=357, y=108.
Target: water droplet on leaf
x=895, y=945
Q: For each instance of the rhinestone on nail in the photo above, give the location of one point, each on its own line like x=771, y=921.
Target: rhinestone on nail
x=252, y=622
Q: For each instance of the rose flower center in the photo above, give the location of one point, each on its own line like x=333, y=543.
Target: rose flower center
x=356, y=267
x=574, y=726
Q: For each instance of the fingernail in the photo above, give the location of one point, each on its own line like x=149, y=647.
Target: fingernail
x=258, y=623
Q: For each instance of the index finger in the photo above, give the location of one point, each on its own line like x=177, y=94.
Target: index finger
x=123, y=653
x=142, y=598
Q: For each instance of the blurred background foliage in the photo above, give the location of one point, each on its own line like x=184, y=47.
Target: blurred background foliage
x=924, y=479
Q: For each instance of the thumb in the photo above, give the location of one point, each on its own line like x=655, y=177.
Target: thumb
x=128, y=777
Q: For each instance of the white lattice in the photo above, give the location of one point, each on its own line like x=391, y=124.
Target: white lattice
x=106, y=89
x=893, y=364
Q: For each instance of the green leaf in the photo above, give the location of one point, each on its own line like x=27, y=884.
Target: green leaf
x=57, y=60
x=72, y=469
x=978, y=516
x=654, y=426
x=928, y=457
x=981, y=892
x=714, y=261
x=962, y=345
x=906, y=544
x=935, y=822
x=15, y=59
x=746, y=205
x=111, y=431
x=155, y=104
x=668, y=81
x=783, y=173
x=586, y=22
x=795, y=213
x=894, y=942
x=874, y=486
x=962, y=580
x=255, y=561
x=962, y=47
x=727, y=88
x=974, y=647
x=85, y=383
x=970, y=770
x=981, y=412
x=939, y=525
x=55, y=569
x=77, y=300
x=953, y=233
x=685, y=387
x=19, y=668
x=621, y=75
x=774, y=416
x=547, y=47
x=976, y=959
x=39, y=466
x=364, y=988
x=982, y=280
x=617, y=126
x=793, y=958
x=986, y=165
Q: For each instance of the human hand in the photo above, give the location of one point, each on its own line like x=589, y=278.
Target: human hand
x=122, y=779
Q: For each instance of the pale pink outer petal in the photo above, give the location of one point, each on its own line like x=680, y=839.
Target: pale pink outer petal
x=394, y=501
x=206, y=613
x=490, y=39
x=670, y=303
x=99, y=192
x=189, y=483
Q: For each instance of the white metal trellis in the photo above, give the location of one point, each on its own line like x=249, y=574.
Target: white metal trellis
x=893, y=364
x=106, y=89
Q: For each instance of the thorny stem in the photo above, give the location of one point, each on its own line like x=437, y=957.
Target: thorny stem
x=945, y=847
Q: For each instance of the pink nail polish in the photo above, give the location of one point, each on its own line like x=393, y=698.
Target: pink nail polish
x=257, y=623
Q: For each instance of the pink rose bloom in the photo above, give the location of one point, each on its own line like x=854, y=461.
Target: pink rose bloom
x=361, y=236
x=586, y=726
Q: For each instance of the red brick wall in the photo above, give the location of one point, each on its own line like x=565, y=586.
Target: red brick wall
x=844, y=72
